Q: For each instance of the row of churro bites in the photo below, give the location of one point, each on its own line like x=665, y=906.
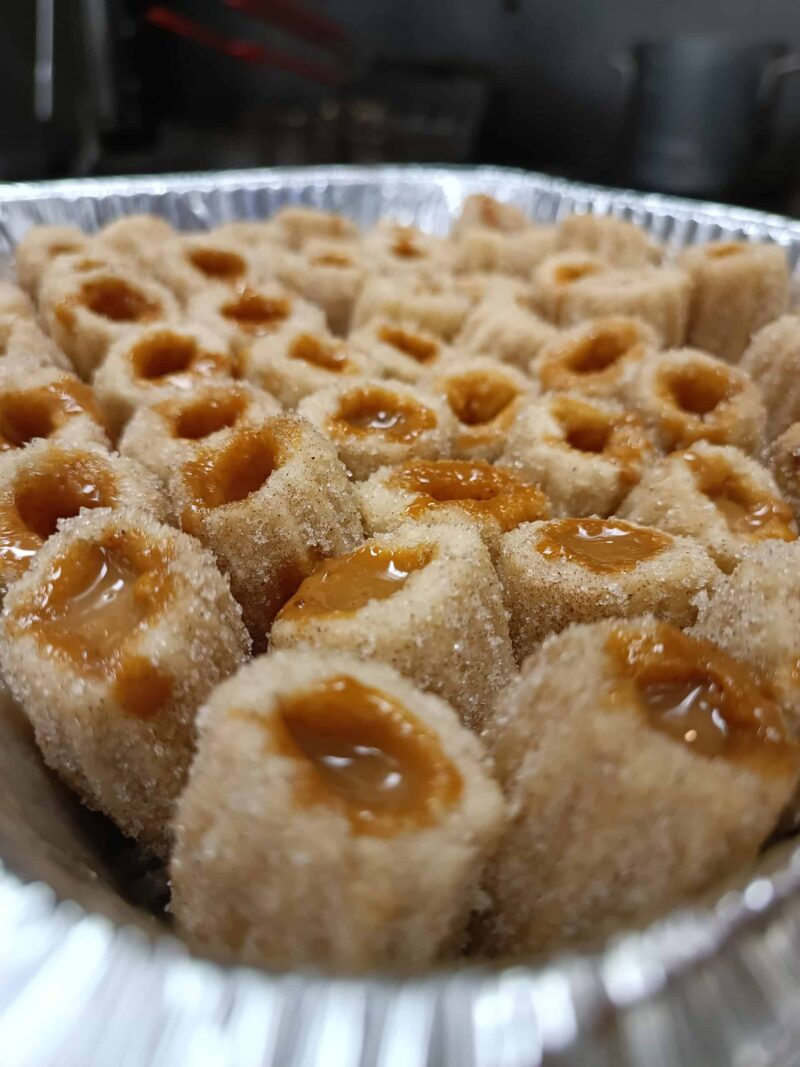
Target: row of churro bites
x=614, y=728
x=110, y=641
x=334, y=815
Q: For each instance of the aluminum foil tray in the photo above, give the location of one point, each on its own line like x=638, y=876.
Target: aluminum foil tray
x=90, y=978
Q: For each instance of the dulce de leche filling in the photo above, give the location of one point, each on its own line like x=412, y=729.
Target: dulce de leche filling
x=39, y=412
x=594, y=358
x=205, y=415
x=748, y=510
x=93, y=602
x=694, y=693
x=326, y=355
x=110, y=298
x=697, y=404
x=366, y=755
x=57, y=489
x=605, y=546
x=478, y=488
x=175, y=356
x=376, y=410
x=619, y=438
x=256, y=313
x=477, y=399
x=345, y=585
x=409, y=344
x=217, y=263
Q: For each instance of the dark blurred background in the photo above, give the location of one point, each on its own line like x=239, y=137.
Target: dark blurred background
x=700, y=97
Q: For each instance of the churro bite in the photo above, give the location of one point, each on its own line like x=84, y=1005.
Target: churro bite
x=619, y=243
x=484, y=396
x=335, y=815
x=504, y=326
x=14, y=302
x=41, y=401
x=294, y=362
x=658, y=295
x=270, y=502
x=438, y=307
x=406, y=252
x=784, y=461
x=374, y=424
x=138, y=238
x=295, y=226
x=427, y=489
x=600, y=358
x=165, y=433
x=643, y=766
x=149, y=362
x=399, y=350
x=40, y=246
x=22, y=338
x=479, y=250
x=585, y=455
x=482, y=212
x=88, y=304
x=50, y=481
x=717, y=494
x=737, y=288
x=685, y=396
x=582, y=570
x=772, y=359
x=189, y=263
x=423, y=598
x=557, y=274
x=109, y=643
x=329, y=274
x=754, y=614
x=244, y=315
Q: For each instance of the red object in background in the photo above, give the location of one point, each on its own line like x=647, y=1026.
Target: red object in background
x=288, y=16
x=237, y=48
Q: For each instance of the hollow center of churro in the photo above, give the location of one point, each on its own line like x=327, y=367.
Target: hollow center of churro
x=724, y=249
x=419, y=348
x=588, y=436
x=601, y=545
x=479, y=398
x=373, y=409
x=257, y=313
x=595, y=354
x=323, y=354
x=478, y=488
x=95, y=596
x=349, y=583
x=699, y=390
x=368, y=754
x=117, y=300
x=234, y=471
x=694, y=693
x=217, y=263
x=59, y=489
x=567, y=273
x=32, y=413
x=163, y=354
x=208, y=415
x=331, y=259
x=747, y=509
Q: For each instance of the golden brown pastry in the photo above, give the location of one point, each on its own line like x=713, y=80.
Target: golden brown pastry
x=504, y=326
x=399, y=350
x=772, y=359
x=617, y=242
x=438, y=307
x=329, y=274
x=39, y=246
x=243, y=316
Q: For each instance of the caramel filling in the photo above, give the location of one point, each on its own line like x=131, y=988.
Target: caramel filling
x=367, y=755
x=117, y=300
x=725, y=249
x=748, y=510
x=618, y=438
x=694, y=693
x=567, y=273
x=208, y=415
x=174, y=356
x=230, y=473
x=477, y=399
x=410, y=344
x=405, y=246
x=347, y=584
x=605, y=546
x=479, y=489
x=40, y=412
x=375, y=410
x=331, y=259
x=310, y=349
x=95, y=599
x=217, y=263
x=604, y=349
x=256, y=313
